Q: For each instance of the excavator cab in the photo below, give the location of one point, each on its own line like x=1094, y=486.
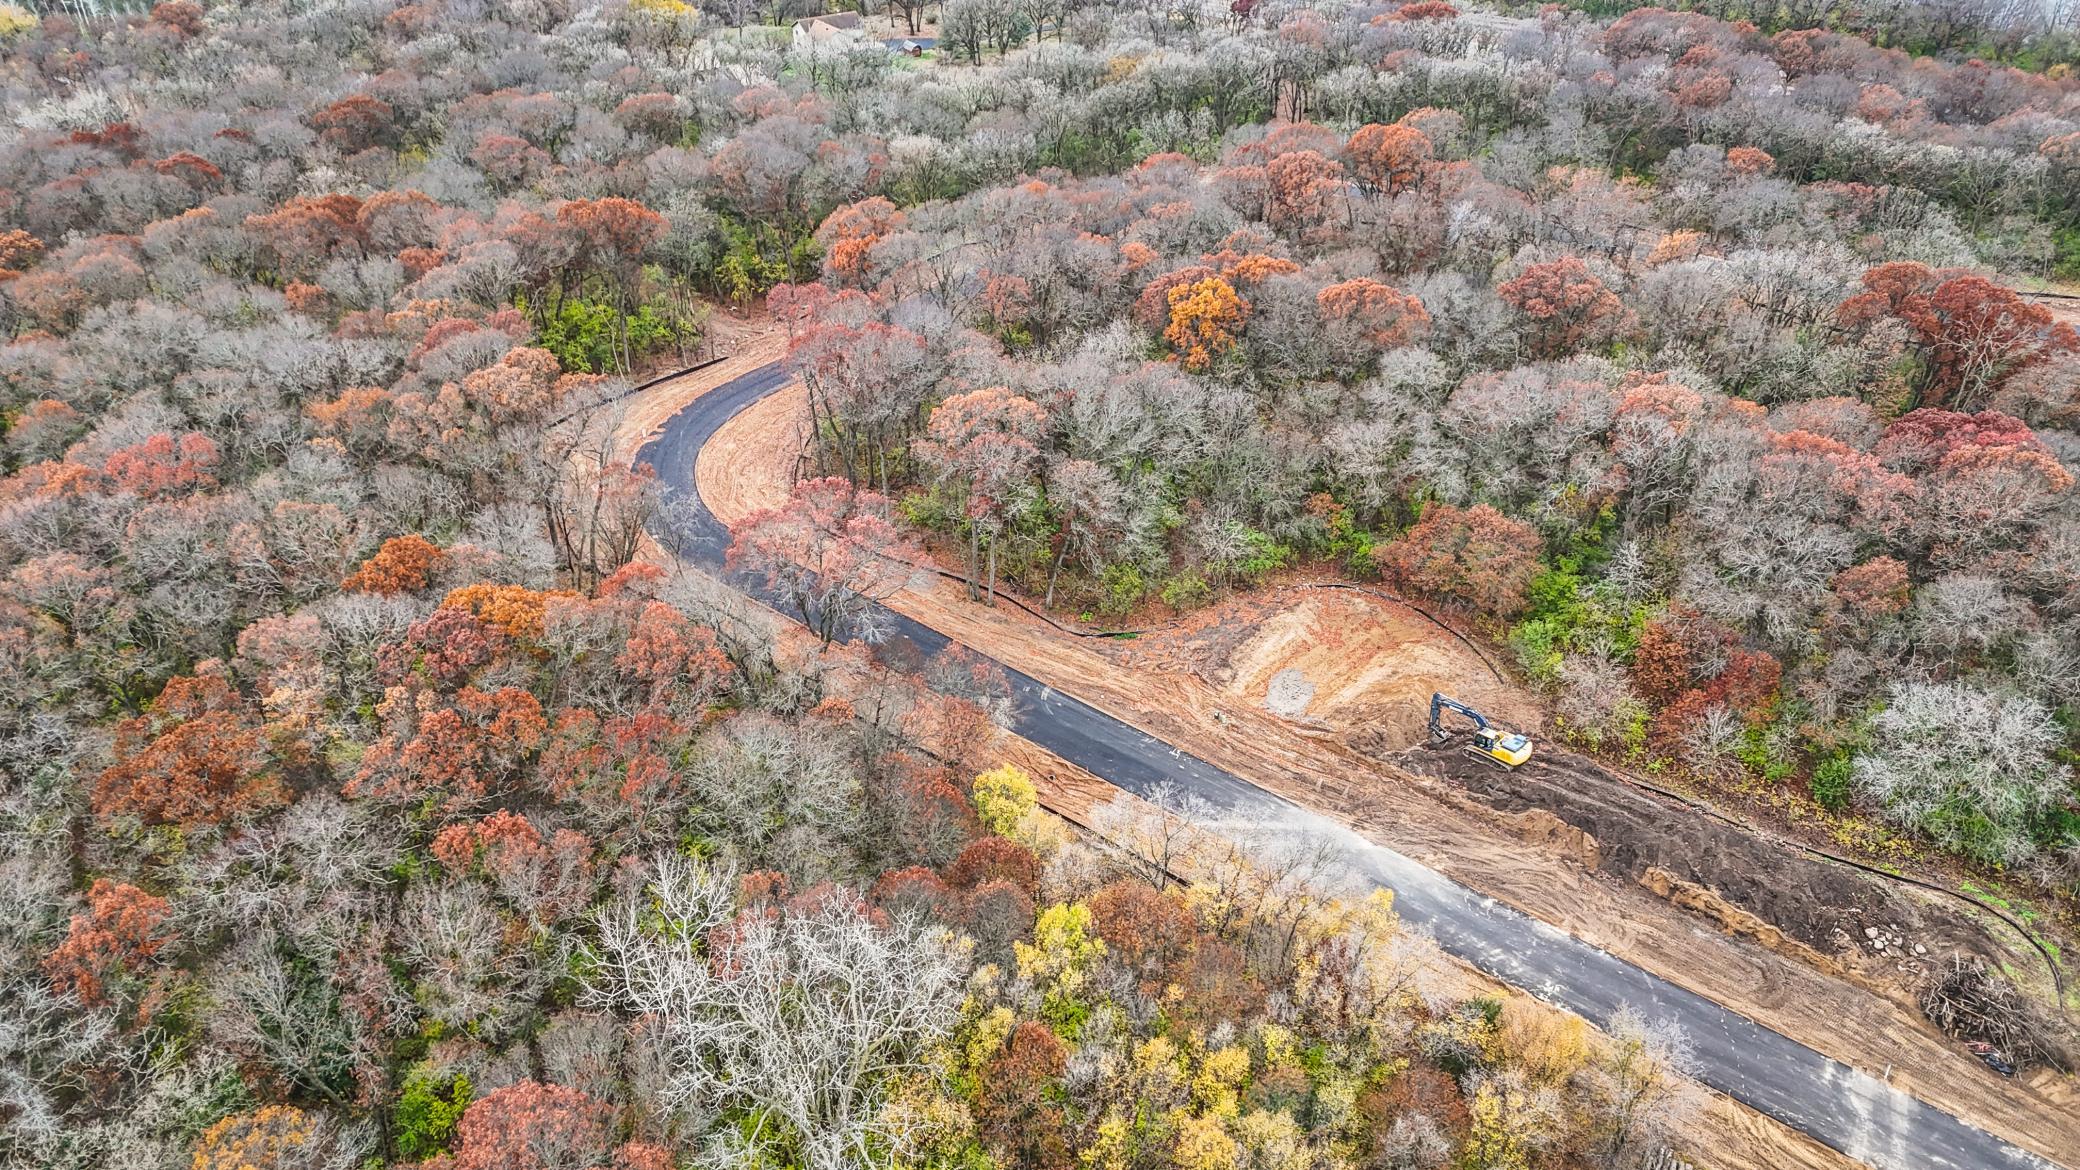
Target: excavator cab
x=1506, y=748
x=1491, y=743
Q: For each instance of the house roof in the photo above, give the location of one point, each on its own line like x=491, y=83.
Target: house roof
x=833, y=21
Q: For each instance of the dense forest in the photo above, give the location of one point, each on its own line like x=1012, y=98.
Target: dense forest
x=368, y=800
x=1737, y=433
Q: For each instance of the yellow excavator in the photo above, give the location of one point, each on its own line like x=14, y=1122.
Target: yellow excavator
x=1489, y=743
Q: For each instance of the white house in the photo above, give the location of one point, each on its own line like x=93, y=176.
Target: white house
x=830, y=28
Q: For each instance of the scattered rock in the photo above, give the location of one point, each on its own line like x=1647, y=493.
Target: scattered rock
x=1870, y=932
x=1289, y=693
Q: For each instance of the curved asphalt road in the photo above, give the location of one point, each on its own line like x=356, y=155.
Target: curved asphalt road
x=1836, y=1105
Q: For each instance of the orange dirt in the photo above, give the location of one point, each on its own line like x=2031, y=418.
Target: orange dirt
x=1347, y=661
x=1432, y=821
x=757, y=469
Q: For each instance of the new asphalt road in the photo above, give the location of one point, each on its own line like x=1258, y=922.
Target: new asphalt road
x=1839, y=1106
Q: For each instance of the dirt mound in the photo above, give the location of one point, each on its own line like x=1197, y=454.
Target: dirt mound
x=1874, y=926
x=1348, y=661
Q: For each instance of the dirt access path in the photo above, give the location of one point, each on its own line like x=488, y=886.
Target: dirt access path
x=1531, y=860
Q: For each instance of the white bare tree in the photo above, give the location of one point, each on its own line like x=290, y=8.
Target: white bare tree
x=802, y=1015
x=1966, y=765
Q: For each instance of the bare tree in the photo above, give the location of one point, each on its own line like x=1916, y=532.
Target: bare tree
x=802, y=1014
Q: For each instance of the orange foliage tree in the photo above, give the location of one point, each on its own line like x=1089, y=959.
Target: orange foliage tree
x=1206, y=318
x=405, y=564
x=515, y=610
x=1389, y=159
x=270, y=1136
x=196, y=758
x=119, y=934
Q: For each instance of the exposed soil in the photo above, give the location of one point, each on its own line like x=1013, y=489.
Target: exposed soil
x=757, y=470
x=1669, y=898
x=1650, y=839
x=1352, y=662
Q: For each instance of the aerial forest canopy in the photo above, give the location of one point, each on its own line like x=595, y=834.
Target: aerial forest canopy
x=373, y=795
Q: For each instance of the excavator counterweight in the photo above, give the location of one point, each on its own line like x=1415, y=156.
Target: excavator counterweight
x=1489, y=743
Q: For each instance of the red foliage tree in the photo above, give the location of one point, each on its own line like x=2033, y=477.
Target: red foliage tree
x=916, y=890
x=1013, y=1109
x=195, y=759
x=464, y=747
x=1687, y=664
x=986, y=442
x=1424, y=10
x=929, y=817
x=997, y=915
x=1876, y=588
x=196, y=171
x=533, y=1126
x=612, y=234
x=1475, y=556
x=995, y=859
x=444, y=649
x=163, y=466
x=508, y=160
x=548, y=876
x=615, y=767
x=1372, y=314
x=304, y=233
x=119, y=934
x=849, y=234
x=1151, y=931
x=355, y=123
x=1748, y=161
x=1973, y=332
x=182, y=17
x=1567, y=305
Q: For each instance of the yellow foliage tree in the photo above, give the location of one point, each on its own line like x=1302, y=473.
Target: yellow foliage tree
x=1512, y=1122
x=1218, y=1080
x=1060, y=957
x=1274, y=1141
x=1549, y=1045
x=1005, y=801
x=1112, y=1146
x=1206, y=317
x=14, y=21
x=1203, y=1145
